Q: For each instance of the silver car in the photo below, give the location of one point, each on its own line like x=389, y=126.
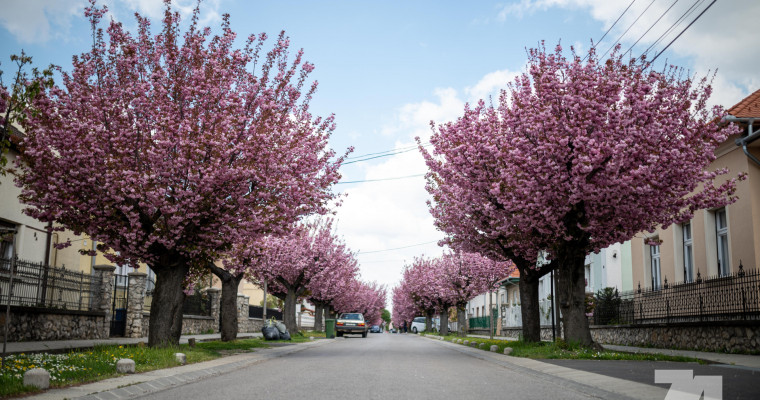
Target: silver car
x=351, y=323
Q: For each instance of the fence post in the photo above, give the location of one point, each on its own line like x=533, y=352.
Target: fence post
x=135, y=304
x=104, y=296
x=215, y=295
x=242, y=304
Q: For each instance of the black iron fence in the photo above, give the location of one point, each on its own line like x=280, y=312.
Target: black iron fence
x=258, y=312
x=716, y=298
x=197, y=304
x=37, y=285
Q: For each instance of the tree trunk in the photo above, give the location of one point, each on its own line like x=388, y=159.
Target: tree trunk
x=444, y=330
x=429, y=321
x=318, y=311
x=166, y=306
x=571, y=293
x=529, y=308
x=461, y=320
x=228, y=310
x=289, y=311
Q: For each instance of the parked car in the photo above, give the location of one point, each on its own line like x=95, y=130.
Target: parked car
x=351, y=323
x=375, y=329
x=418, y=325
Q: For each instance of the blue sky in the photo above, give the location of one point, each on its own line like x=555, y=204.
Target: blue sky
x=387, y=68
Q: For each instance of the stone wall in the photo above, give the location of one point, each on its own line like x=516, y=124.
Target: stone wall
x=516, y=332
x=196, y=325
x=250, y=325
x=733, y=337
x=27, y=323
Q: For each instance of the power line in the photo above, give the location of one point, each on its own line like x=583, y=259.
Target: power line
x=386, y=151
x=382, y=179
x=396, y=248
x=650, y=28
x=380, y=154
x=610, y=28
x=626, y=31
x=678, y=22
x=684, y=30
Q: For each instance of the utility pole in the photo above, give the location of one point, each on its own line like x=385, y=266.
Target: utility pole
x=13, y=232
x=264, y=309
x=490, y=313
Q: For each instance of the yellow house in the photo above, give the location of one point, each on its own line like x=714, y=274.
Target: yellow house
x=714, y=242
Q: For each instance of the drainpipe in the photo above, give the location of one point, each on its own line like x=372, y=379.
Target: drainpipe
x=751, y=136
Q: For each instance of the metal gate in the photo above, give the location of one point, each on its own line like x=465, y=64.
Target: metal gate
x=119, y=306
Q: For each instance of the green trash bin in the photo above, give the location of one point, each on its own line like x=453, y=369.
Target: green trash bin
x=330, y=328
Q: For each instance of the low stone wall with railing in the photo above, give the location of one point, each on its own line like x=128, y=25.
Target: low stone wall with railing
x=31, y=323
x=734, y=337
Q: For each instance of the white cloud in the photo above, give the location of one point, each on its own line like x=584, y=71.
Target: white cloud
x=490, y=86
x=41, y=20
x=392, y=214
x=722, y=39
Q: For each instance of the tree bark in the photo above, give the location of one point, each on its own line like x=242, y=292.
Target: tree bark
x=429, y=321
x=289, y=311
x=461, y=320
x=228, y=310
x=444, y=330
x=571, y=285
x=318, y=311
x=166, y=306
x=529, y=307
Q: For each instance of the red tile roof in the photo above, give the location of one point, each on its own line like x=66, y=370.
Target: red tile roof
x=747, y=108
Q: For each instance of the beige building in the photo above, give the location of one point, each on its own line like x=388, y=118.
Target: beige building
x=716, y=241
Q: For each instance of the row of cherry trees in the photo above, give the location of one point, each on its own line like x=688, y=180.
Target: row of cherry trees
x=577, y=154
x=434, y=285
x=176, y=150
x=312, y=263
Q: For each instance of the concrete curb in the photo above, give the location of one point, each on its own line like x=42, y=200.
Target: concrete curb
x=588, y=383
x=136, y=385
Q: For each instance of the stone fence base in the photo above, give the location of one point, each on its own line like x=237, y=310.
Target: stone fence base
x=28, y=323
x=729, y=337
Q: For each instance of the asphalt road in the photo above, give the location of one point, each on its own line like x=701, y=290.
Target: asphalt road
x=737, y=382
x=381, y=366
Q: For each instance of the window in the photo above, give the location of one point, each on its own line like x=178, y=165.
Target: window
x=6, y=239
x=721, y=231
x=587, y=275
x=688, y=257
x=654, y=255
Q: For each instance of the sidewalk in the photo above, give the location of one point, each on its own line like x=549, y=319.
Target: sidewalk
x=64, y=345
x=742, y=360
x=137, y=385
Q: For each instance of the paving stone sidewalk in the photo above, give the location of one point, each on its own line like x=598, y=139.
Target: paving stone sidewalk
x=136, y=385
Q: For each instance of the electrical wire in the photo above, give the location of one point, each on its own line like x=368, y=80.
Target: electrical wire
x=396, y=248
x=626, y=31
x=678, y=22
x=650, y=28
x=610, y=28
x=382, y=179
x=372, y=156
x=684, y=30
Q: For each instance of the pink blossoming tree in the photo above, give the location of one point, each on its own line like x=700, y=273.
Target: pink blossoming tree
x=404, y=309
x=334, y=281
x=577, y=155
x=169, y=148
x=289, y=263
